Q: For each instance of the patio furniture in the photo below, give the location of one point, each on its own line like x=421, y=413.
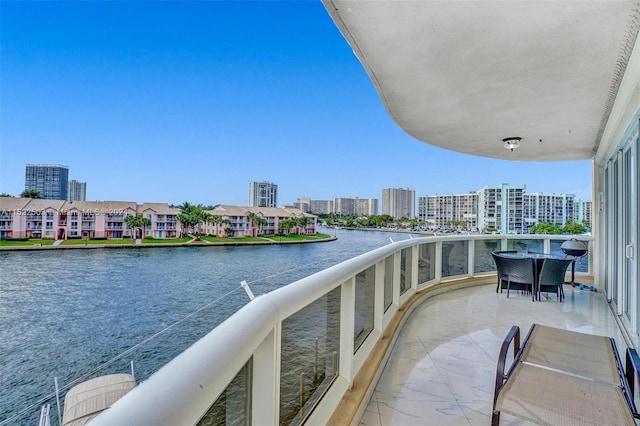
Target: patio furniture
x=552, y=276
x=565, y=377
x=500, y=271
x=518, y=272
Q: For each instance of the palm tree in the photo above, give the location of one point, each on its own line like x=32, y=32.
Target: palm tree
x=184, y=220
x=206, y=217
x=286, y=225
x=228, y=231
x=302, y=222
x=186, y=207
x=137, y=221
x=253, y=220
x=216, y=220
x=262, y=222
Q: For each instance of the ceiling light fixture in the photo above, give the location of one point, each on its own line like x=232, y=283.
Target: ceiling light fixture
x=511, y=143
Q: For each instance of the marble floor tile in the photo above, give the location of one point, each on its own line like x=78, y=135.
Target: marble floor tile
x=442, y=367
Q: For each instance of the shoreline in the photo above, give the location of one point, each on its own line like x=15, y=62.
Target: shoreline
x=156, y=245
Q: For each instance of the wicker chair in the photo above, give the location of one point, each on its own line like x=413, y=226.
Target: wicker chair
x=500, y=268
x=519, y=273
x=552, y=276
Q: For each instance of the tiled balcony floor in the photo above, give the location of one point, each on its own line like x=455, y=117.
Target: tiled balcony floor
x=443, y=365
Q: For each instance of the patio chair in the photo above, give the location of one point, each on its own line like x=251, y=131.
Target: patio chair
x=519, y=273
x=500, y=270
x=552, y=276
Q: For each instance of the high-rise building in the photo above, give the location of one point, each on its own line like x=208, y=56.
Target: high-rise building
x=582, y=212
x=77, y=191
x=445, y=210
x=500, y=208
x=321, y=206
x=356, y=206
x=552, y=208
x=303, y=203
x=51, y=180
x=399, y=202
x=263, y=194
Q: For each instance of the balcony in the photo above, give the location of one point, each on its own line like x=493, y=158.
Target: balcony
x=442, y=367
x=333, y=332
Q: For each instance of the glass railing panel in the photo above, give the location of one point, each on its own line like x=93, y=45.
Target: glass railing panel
x=455, y=258
x=233, y=406
x=426, y=262
x=482, y=260
x=526, y=245
x=388, y=282
x=365, y=302
x=405, y=269
x=309, y=356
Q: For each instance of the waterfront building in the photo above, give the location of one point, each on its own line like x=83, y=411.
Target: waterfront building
x=399, y=202
x=559, y=209
x=164, y=223
x=263, y=194
x=235, y=221
x=441, y=210
x=366, y=206
x=582, y=212
x=551, y=208
x=61, y=220
x=500, y=208
x=303, y=204
x=77, y=191
x=355, y=206
x=51, y=180
x=321, y=206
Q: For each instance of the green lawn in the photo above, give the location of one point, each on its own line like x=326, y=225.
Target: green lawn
x=84, y=241
x=294, y=237
x=26, y=243
x=129, y=241
x=232, y=240
x=166, y=240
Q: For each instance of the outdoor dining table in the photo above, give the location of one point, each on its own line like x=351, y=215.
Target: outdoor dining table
x=536, y=258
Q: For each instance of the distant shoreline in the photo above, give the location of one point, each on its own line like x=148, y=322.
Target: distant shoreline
x=156, y=245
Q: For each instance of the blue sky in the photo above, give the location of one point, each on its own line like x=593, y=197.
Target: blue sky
x=190, y=101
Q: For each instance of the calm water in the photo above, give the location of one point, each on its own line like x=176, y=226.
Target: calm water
x=67, y=313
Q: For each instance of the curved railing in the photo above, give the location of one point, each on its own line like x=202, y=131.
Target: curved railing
x=289, y=356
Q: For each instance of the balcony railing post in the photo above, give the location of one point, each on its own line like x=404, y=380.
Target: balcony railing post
x=265, y=386
x=415, y=257
x=378, y=311
x=347, y=324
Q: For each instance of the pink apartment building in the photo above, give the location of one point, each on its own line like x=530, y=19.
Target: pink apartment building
x=61, y=220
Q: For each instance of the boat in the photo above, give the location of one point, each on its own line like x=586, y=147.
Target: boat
x=86, y=400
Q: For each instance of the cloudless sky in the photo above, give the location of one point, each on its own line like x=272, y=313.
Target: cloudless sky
x=190, y=101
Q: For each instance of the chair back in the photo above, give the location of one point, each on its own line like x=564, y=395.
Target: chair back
x=514, y=269
x=501, y=264
x=520, y=270
x=553, y=271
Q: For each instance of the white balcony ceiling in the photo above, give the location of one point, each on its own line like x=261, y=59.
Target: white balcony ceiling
x=463, y=75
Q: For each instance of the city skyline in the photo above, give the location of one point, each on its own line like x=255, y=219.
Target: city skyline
x=190, y=101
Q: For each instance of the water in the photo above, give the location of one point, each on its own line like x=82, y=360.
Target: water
x=65, y=313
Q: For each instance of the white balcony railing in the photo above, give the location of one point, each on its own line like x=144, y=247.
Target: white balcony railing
x=304, y=343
